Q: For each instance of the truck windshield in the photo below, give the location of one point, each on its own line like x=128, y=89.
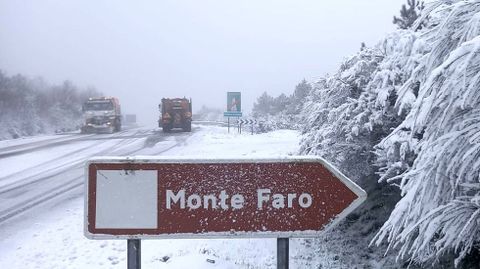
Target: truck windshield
x=98, y=106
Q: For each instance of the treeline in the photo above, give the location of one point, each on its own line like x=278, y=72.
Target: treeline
x=283, y=111
x=401, y=119
x=32, y=106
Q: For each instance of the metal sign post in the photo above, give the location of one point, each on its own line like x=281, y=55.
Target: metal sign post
x=282, y=253
x=231, y=114
x=134, y=254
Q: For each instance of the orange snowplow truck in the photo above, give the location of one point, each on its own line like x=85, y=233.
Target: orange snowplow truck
x=175, y=113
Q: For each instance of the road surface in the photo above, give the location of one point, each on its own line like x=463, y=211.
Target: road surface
x=39, y=170
x=41, y=200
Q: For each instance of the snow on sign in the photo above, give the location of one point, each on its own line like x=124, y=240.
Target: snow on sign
x=135, y=198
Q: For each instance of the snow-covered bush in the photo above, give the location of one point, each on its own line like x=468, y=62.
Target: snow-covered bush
x=278, y=121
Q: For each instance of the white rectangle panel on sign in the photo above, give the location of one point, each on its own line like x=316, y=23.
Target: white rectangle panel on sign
x=126, y=199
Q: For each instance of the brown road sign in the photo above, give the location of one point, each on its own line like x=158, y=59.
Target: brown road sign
x=190, y=198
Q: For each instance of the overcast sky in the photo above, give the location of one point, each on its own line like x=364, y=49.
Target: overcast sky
x=141, y=51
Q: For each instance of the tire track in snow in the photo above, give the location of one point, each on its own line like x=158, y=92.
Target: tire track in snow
x=10, y=151
x=30, y=147
x=65, y=187
x=28, y=172
x=45, y=174
x=61, y=168
x=39, y=200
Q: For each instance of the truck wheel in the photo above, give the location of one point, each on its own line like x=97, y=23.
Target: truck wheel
x=166, y=129
x=188, y=127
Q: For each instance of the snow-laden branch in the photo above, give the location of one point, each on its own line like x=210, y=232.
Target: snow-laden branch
x=439, y=211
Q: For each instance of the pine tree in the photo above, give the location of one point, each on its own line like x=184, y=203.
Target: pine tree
x=298, y=98
x=408, y=15
x=263, y=106
x=413, y=101
x=302, y=90
x=280, y=103
x=433, y=154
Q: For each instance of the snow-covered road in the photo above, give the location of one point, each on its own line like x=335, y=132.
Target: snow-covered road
x=41, y=199
x=41, y=170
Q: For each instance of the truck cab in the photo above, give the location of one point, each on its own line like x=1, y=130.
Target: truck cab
x=101, y=114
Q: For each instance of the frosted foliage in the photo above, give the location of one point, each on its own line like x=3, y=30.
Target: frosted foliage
x=31, y=106
x=408, y=111
x=440, y=208
x=349, y=112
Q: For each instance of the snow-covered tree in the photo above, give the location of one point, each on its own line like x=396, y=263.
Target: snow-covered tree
x=347, y=114
x=283, y=111
x=350, y=112
x=263, y=105
x=31, y=106
x=408, y=15
x=299, y=96
x=434, y=154
x=416, y=105
x=406, y=112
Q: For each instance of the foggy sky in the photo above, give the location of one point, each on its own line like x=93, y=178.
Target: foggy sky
x=141, y=51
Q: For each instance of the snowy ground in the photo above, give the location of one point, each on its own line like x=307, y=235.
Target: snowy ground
x=50, y=234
